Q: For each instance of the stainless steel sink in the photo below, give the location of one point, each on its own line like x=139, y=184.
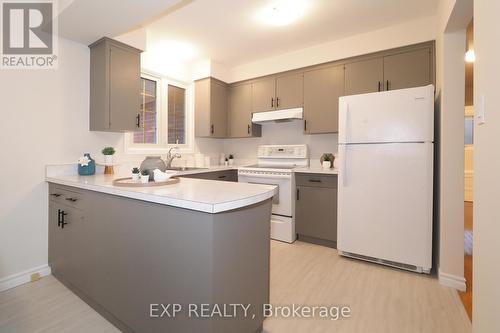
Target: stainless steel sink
x=184, y=168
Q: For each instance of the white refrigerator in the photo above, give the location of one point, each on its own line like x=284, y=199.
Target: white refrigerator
x=385, y=189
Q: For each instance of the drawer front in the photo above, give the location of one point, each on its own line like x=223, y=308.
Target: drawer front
x=224, y=175
x=66, y=196
x=316, y=180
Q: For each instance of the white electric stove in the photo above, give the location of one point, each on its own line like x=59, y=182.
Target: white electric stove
x=275, y=167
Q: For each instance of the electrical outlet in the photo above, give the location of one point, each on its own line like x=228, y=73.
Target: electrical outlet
x=35, y=277
x=480, y=112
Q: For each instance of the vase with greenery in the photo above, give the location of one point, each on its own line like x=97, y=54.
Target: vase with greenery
x=108, y=153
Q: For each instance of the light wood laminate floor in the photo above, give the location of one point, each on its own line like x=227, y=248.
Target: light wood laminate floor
x=382, y=299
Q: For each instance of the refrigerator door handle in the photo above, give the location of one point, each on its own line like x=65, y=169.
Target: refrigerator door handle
x=344, y=108
x=343, y=171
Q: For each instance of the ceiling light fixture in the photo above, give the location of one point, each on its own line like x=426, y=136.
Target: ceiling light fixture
x=470, y=56
x=282, y=12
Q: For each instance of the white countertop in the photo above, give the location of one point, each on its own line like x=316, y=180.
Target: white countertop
x=196, y=194
x=317, y=170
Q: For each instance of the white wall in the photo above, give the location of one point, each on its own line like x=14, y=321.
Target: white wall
x=45, y=120
x=453, y=17
x=408, y=33
x=486, y=169
x=282, y=133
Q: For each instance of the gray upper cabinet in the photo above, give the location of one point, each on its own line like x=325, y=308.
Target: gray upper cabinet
x=115, y=74
x=211, y=108
x=407, y=70
x=275, y=93
x=322, y=89
x=290, y=91
x=264, y=95
x=364, y=76
x=240, y=113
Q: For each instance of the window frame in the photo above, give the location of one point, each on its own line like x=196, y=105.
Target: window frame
x=162, y=146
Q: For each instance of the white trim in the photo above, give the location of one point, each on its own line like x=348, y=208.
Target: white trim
x=452, y=281
x=162, y=147
x=22, y=277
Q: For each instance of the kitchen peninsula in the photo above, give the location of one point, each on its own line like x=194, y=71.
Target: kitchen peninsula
x=124, y=249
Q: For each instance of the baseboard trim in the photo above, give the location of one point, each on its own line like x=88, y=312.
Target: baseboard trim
x=22, y=277
x=452, y=281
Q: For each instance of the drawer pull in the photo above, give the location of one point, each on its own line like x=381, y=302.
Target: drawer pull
x=314, y=180
x=72, y=199
x=222, y=177
x=57, y=195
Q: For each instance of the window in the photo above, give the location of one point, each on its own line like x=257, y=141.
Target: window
x=147, y=113
x=165, y=117
x=176, y=115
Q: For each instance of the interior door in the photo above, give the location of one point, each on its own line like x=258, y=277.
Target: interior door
x=407, y=70
x=264, y=95
x=322, y=89
x=290, y=91
x=385, y=201
x=240, y=111
x=364, y=76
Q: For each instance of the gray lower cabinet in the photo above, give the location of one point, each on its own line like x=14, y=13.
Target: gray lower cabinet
x=322, y=89
x=120, y=255
x=240, y=113
x=223, y=175
x=316, y=208
x=115, y=83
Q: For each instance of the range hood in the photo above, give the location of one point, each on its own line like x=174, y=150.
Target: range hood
x=277, y=116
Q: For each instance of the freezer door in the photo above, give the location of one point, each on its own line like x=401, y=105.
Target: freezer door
x=385, y=202
x=405, y=115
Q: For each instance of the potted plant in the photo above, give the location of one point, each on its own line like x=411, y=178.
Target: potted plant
x=108, y=153
x=144, y=176
x=231, y=159
x=136, y=174
x=327, y=160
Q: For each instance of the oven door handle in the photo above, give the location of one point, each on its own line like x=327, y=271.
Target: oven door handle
x=265, y=176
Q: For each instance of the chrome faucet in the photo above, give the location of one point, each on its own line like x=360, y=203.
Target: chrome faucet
x=170, y=157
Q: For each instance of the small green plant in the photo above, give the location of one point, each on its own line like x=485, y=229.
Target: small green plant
x=227, y=159
x=108, y=151
x=135, y=170
x=327, y=158
x=231, y=156
x=145, y=172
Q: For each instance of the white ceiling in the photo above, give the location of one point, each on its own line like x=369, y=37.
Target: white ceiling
x=227, y=31
x=86, y=21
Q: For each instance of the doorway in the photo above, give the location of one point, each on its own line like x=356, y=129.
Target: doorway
x=466, y=297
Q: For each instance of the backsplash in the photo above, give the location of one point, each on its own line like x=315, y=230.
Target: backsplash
x=282, y=133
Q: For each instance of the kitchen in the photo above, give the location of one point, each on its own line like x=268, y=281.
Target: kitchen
x=257, y=157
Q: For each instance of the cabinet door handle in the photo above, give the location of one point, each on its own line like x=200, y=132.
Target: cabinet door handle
x=277, y=102
x=248, y=129
x=61, y=223
x=272, y=102
x=212, y=129
x=378, y=85
x=58, y=217
x=387, y=85
x=305, y=125
x=138, y=120
x=298, y=196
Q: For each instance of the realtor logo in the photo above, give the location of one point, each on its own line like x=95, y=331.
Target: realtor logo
x=28, y=39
